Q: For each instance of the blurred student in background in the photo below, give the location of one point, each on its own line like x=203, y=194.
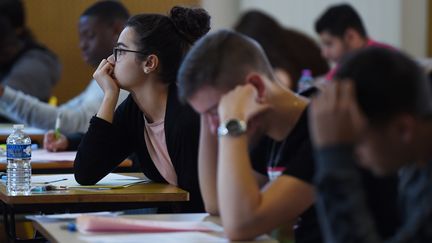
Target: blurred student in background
x=359, y=119
x=288, y=50
x=151, y=123
x=25, y=65
x=99, y=28
x=342, y=31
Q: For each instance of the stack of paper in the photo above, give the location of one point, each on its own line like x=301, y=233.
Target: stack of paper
x=86, y=223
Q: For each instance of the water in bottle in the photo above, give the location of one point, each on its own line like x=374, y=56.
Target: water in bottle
x=306, y=81
x=18, y=150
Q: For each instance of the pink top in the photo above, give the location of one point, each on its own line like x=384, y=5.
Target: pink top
x=154, y=135
x=332, y=72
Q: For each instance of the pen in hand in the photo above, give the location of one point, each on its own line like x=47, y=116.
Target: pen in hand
x=57, y=127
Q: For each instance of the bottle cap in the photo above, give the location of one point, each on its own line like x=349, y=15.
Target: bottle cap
x=18, y=126
x=307, y=72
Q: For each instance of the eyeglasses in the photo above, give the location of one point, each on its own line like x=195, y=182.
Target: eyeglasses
x=119, y=51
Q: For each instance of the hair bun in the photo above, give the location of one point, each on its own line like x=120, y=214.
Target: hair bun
x=192, y=23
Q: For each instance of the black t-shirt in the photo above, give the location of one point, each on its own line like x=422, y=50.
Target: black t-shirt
x=294, y=156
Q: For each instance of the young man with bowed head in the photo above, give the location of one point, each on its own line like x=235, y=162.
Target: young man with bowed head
x=377, y=112
x=227, y=78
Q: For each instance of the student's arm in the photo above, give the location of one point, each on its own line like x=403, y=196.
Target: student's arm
x=75, y=114
x=108, y=84
x=207, y=167
x=246, y=211
x=341, y=202
x=105, y=145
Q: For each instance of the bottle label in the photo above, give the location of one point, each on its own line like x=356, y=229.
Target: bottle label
x=22, y=151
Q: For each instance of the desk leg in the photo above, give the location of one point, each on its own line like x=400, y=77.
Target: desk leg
x=9, y=224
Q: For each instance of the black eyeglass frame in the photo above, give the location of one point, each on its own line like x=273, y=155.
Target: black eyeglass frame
x=117, y=49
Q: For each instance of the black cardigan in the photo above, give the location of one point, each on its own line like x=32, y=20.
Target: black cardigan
x=106, y=145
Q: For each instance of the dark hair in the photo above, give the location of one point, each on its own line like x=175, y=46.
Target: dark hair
x=387, y=83
x=169, y=37
x=221, y=60
x=338, y=18
x=13, y=12
x=107, y=11
x=285, y=48
x=8, y=32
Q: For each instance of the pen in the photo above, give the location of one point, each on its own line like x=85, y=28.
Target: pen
x=48, y=182
x=57, y=127
x=70, y=227
x=48, y=188
x=3, y=176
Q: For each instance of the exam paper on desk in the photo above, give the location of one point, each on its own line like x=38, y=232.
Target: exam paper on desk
x=43, y=156
x=91, y=223
x=111, y=179
x=175, y=237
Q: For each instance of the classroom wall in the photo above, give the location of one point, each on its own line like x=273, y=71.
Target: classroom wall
x=54, y=23
x=397, y=22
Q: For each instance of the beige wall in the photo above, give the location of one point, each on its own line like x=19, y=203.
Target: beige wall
x=54, y=23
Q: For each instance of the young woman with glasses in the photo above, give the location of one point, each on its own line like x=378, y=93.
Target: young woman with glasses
x=151, y=123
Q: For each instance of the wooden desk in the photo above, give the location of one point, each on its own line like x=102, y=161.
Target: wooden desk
x=85, y=200
x=55, y=233
x=35, y=134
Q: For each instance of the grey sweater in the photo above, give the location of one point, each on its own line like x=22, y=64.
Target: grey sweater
x=342, y=210
x=75, y=114
x=35, y=73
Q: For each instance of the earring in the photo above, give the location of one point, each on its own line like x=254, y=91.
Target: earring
x=146, y=70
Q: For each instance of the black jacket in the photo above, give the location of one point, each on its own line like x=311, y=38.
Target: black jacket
x=106, y=145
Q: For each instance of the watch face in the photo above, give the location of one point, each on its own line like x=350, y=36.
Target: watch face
x=233, y=126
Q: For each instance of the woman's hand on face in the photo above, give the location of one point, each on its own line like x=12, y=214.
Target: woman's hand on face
x=104, y=75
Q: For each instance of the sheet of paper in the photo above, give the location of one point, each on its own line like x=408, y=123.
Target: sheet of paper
x=68, y=216
x=42, y=155
x=111, y=180
x=191, y=237
x=88, y=223
x=173, y=237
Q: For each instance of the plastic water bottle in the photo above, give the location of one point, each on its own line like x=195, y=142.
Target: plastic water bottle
x=18, y=153
x=306, y=81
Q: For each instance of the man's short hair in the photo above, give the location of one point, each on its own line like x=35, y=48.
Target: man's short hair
x=387, y=83
x=337, y=19
x=108, y=11
x=221, y=60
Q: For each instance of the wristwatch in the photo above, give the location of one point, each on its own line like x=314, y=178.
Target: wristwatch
x=232, y=127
